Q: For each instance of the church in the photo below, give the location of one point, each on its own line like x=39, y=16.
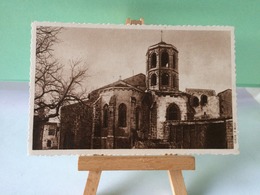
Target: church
x=148, y=111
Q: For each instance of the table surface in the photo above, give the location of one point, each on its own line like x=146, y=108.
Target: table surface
x=214, y=174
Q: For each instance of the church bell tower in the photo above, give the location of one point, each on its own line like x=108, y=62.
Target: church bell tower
x=162, y=68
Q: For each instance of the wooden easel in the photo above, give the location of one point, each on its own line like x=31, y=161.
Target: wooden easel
x=174, y=164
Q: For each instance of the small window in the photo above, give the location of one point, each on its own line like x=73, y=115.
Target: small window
x=195, y=101
x=153, y=60
x=165, y=79
x=105, y=115
x=153, y=80
x=203, y=100
x=48, y=143
x=164, y=59
x=173, y=112
x=122, y=115
x=51, y=132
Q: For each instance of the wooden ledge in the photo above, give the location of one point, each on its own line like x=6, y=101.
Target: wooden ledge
x=103, y=163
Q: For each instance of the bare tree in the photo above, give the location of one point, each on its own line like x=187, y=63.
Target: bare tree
x=55, y=84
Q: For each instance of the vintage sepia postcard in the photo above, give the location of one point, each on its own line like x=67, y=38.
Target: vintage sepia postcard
x=132, y=90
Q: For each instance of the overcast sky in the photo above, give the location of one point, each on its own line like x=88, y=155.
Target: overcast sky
x=204, y=56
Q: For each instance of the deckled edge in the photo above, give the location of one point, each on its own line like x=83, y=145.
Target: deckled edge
x=31, y=87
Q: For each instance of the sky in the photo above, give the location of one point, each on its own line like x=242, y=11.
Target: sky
x=117, y=52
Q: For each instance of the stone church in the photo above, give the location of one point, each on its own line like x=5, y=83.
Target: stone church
x=149, y=111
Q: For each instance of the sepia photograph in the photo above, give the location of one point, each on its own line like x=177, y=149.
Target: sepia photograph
x=132, y=90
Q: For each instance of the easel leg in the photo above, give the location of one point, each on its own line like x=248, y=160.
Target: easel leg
x=177, y=182
x=92, y=183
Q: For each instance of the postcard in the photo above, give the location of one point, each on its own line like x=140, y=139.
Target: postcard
x=132, y=90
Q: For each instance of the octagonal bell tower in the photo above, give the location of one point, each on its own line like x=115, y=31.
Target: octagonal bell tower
x=162, y=68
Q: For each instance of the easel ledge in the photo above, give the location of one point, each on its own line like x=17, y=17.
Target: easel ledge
x=174, y=164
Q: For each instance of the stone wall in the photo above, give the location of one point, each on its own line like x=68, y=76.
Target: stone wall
x=225, y=103
x=208, y=110
x=113, y=134
x=162, y=104
x=82, y=126
x=76, y=127
x=153, y=121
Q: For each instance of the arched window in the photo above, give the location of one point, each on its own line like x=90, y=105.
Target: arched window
x=48, y=143
x=165, y=79
x=203, y=100
x=153, y=79
x=173, y=112
x=122, y=115
x=164, y=59
x=194, y=101
x=105, y=115
x=173, y=62
x=153, y=60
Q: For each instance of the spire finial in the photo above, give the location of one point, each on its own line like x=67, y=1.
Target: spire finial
x=161, y=35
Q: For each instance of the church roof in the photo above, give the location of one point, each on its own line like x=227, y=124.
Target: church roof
x=162, y=44
x=225, y=91
x=136, y=81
